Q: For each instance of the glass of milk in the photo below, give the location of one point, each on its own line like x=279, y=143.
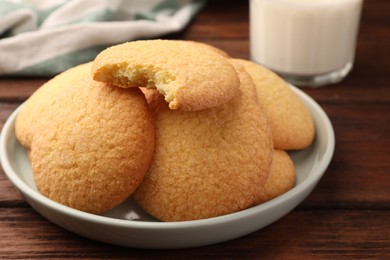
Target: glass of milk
x=307, y=42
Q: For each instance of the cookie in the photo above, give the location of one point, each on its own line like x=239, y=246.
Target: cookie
x=36, y=106
x=207, y=163
x=281, y=177
x=211, y=47
x=191, y=76
x=291, y=122
x=91, y=143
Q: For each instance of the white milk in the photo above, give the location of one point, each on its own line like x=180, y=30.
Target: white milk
x=305, y=38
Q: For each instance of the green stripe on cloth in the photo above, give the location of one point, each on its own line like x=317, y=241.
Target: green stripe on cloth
x=8, y=7
x=196, y=6
x=168, y=7
x=102, y=15
x=61, y=63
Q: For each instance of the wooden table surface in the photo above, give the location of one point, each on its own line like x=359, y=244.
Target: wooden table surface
x=346, y=216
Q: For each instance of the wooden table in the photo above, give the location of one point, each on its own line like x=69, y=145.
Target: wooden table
x=346, y=216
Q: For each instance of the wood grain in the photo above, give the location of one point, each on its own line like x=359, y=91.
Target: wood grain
x=307, y=238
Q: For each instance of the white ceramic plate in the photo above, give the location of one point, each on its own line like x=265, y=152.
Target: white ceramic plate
x=128, y=225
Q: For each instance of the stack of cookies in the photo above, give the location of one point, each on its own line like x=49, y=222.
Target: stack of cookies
x=187, y=130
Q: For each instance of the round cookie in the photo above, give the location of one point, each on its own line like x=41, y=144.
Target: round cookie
x=211, y=47
x=35, y=108
x=92, y=144
x=191, y=76
x=281, y=177
x=207, y=163
x=291, y=122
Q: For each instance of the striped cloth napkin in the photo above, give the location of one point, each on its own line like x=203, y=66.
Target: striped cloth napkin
x=46, y=37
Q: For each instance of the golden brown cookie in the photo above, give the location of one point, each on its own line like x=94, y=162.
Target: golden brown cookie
x=191, y=76
x=281, y=177
x=91, y=143
x=291, y=122
x=207, y=163
x=37, y=106
x=211, y=47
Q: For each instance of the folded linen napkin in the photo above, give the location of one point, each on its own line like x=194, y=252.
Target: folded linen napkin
x=45, y=37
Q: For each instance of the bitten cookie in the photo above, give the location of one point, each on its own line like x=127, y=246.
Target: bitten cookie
x=291, y=123
x=91, y=143
x=207, y=163
x=281, y=177
x=191, y=76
